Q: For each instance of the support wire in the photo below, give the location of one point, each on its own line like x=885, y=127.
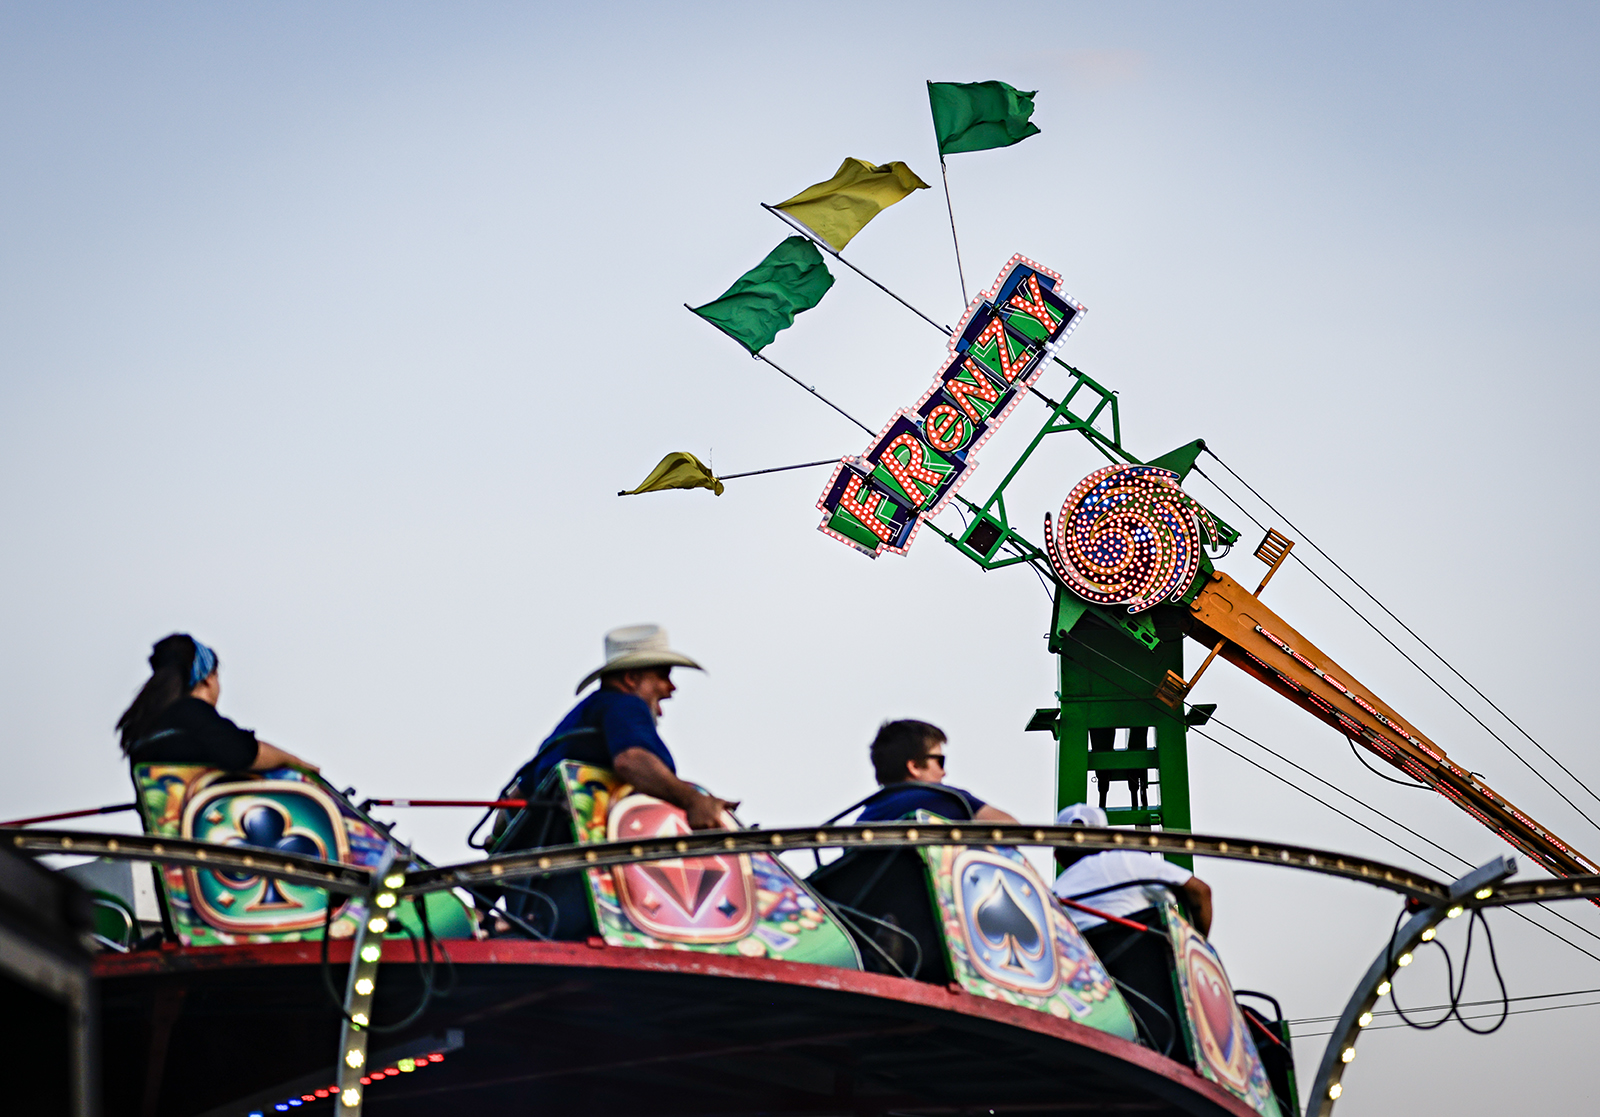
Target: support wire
x=1509, y=719
x=1317, y=799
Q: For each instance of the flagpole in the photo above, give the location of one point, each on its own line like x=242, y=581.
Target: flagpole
x=819, y=395
x=779, y=469
x=949, y=208
x=830, y=250
x=945, y=175
x=797, y=380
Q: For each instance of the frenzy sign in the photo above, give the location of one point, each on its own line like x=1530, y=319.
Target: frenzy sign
x=909, y=472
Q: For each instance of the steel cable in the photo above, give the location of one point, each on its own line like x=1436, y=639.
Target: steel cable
x=1425, y=673
x=1376, y=833
x=1453, y=1009
x=1464, y=1004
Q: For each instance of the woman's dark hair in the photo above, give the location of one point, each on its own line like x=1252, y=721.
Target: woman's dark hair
x=170, y=663
x=898, y=742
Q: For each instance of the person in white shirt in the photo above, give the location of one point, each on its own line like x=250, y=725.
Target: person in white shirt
x=1140, y=960
x=1091, y=878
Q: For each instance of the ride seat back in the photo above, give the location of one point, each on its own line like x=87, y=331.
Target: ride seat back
x=555, y=905
x=882, y=897
x=283, y=811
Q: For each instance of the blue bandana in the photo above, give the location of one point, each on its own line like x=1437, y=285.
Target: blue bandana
x=205, y=662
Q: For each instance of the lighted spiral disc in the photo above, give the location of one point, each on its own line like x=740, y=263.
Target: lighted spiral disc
x=1129, y=534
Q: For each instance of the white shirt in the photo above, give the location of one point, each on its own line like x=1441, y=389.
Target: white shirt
x=1114, y=866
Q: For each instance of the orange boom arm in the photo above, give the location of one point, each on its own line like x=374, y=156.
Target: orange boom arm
x=1248, y=634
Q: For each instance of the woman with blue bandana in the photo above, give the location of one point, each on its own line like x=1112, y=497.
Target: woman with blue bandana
x=174, y=720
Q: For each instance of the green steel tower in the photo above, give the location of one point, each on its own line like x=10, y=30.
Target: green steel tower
x=1112, y=664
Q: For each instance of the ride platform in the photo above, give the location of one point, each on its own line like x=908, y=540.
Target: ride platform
x=586, y=1028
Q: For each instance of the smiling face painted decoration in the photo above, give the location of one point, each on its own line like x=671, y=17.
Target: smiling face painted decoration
x=1127, y=534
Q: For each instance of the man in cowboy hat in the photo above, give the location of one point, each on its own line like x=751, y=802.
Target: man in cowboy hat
x=615, y=727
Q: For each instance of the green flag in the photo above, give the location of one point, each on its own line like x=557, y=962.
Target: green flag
x=979, y=115
x=766, y=298
x=840, y=208
x=678, y=470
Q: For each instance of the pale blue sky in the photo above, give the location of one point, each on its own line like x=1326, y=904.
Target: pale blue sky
x=328, y=334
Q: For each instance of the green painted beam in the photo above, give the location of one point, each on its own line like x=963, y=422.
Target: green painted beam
x=1124, y=760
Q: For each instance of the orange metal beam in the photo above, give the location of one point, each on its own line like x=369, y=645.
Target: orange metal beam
x=1257, y=640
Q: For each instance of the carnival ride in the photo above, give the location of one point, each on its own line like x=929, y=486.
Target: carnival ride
x=602, y=957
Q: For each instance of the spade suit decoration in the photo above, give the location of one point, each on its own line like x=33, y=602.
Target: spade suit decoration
x=1007, y=921
x=1007, y=940
x=749, y=905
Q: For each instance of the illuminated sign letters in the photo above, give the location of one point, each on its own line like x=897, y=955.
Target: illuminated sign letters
x=913, y=467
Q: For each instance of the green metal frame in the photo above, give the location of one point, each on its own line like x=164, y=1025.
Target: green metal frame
x=1110, y=661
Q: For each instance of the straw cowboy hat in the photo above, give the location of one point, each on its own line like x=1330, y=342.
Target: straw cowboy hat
x=635, y=647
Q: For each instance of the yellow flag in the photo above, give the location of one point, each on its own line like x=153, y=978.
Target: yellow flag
x=840, y=208
x=678, y=470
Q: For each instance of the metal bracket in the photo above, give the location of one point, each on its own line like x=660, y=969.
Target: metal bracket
x=1468, y=891
x=1274, y=549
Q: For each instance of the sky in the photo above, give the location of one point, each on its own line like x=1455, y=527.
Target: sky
x=329, y=334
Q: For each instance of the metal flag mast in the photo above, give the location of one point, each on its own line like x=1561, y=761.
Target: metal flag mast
x=944, y=176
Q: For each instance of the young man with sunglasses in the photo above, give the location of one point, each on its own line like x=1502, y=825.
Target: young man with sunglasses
x=909, y=761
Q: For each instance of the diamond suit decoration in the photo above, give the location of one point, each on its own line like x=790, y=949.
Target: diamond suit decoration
x=683, y=899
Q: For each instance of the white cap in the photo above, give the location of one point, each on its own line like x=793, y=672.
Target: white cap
x=1081, y=814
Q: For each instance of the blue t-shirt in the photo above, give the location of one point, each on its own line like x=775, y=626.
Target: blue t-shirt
x=604, y=724
x=903, y=800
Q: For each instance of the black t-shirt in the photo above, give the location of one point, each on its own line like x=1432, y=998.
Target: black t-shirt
x=192, y=732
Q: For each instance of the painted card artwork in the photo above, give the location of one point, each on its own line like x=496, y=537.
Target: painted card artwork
x=1009, y=941
x=282, y=811
x=264, y=814
x=686, y=899
x=1220, y=1044
x=725, y=904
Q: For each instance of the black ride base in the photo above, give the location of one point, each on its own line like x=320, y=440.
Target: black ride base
x=583, y=1029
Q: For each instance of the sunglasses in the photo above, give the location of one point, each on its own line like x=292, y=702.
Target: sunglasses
x=939, y=756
